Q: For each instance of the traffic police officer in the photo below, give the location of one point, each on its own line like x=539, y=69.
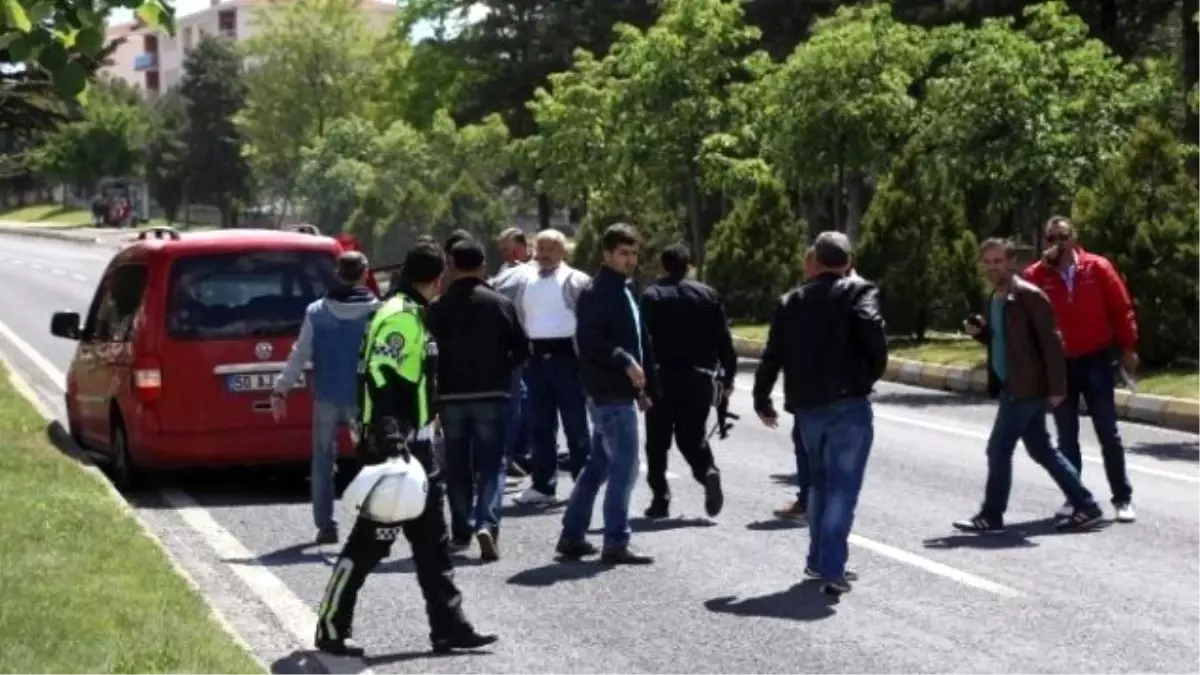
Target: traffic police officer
x=399, y=360
x=694, y=349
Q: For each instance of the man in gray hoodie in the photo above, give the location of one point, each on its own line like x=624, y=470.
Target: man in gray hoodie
x=330, y=338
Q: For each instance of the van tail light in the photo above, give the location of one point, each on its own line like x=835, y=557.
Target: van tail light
x=147, y=380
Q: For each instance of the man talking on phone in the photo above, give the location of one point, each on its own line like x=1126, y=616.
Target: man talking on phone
x=1094, y=313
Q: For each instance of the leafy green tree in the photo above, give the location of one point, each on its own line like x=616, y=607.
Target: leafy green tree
x=756, y=253
x=336, y=166
x=311, y=63
x=105, y=142
x=917, y=246
x=1142, y=214
x=167, y=152
x=215, y=92
x=65, y=38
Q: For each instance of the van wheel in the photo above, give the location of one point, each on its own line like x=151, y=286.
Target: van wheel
x=121, y=468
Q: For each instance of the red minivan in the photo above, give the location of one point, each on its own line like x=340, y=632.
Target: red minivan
x=182, y=344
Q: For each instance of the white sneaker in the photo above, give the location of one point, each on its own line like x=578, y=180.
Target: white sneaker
x=532, y=497
x=1125, y=513
x=1065, y=511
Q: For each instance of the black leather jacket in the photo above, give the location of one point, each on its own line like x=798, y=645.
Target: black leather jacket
x=829, y=339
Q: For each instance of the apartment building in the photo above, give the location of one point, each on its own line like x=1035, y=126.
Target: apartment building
x=153, y=59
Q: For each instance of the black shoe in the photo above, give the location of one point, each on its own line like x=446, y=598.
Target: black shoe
x=848, y=575
x=624, y=556
x=714, y=498
x=980, y=523
x=326, y=536
x=658, y=509
x=489, y=550
x=1081, y=519
x=460, y=544
x=836, y=588
x=465, y=640
x=574, y=550
x=347, y=647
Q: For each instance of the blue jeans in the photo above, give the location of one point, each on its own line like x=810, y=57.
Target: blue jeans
x=516, y=437
x=1091, y=376
x=614, y=458
x=327, y=417
x=555, y=389
x=475, y=467
x=838, y=438
x=1025, y=420
x=803, y=475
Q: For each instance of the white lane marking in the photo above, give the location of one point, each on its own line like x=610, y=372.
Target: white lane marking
x=18, y=263
x=79, y=277
x=289, y=609
x=933, y=567
x=58, y=272
x=35, y=266
x=981, y=436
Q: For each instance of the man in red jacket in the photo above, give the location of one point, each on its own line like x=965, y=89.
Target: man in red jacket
x=1094, y=312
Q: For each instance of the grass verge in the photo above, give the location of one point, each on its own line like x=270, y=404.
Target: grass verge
x=58, y=217
x=963, y=352
x=85, y=591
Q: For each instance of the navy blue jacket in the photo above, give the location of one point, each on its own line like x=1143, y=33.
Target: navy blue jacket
x=611, y=334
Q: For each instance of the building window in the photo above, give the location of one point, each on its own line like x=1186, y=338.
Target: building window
x=227, y=23
x=152, y=81
x=187, y=38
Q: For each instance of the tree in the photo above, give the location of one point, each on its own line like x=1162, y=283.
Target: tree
x=916, y=245
x=1142, y=214
x=756, y=253
x=106, y=141
x=215, y=92
x=167, y=152
x=65, y=38
x=336, y=166
x=313, y=62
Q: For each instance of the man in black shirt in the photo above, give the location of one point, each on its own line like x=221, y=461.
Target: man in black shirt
x=829, y=339
x=691, y=338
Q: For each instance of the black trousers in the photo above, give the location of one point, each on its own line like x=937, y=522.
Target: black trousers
x=370, y=542
x=681, y=412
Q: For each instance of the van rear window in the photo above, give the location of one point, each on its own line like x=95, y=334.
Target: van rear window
x=232, y=295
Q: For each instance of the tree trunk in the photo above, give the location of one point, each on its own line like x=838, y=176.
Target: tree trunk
x=856, y=203
x=543, y=206
x=692, y=189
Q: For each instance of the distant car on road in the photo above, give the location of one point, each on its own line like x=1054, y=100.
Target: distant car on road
x=181, y=346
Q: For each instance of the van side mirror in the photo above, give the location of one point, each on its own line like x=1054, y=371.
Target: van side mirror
x=65, y=325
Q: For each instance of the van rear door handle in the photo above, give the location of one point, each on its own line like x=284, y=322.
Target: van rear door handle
x=262, y=406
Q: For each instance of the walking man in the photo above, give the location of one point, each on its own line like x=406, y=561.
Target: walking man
x=1027, y=372
x=694, y=351
x=399, y=362
x=1094, y=313
x=515, y=252
x=545, y=296
x=828, y=338
x=481, y=344
x=797, y=509
x=330, y=337
x=617, y=361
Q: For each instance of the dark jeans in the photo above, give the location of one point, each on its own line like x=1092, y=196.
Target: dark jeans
x=803, y=475
x=516, y=437
x=556, y=389
x=370, y=542
x=838, y=438
x=682, y=412
x=474, y=464
x=1025, y=420
x=1091, y=376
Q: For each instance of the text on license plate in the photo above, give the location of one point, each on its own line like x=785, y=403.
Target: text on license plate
x=248, y=382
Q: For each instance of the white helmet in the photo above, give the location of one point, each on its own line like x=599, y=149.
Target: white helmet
x=391, y=492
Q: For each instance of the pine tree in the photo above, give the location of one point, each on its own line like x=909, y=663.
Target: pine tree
x=1142, y=215
x=756, y=253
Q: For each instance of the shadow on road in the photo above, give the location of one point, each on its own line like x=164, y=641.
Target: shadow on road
x=1179, y=452
x=1017, y=535
x=776, y=524
x=415, y=655
x=788, y=479
x=298, y=662
x=560, y=571
x=802, y=602
x=661, y=524
x=926, y=398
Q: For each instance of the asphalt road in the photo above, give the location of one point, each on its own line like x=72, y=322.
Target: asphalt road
x=725, y=595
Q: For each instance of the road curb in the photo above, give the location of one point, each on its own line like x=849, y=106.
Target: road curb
x=26, y=391
x=1164, y=411
x=74, y=237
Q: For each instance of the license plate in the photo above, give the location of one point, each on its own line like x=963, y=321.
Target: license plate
x=255, y=382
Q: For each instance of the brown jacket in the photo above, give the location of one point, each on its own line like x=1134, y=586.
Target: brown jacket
x=1037, y=367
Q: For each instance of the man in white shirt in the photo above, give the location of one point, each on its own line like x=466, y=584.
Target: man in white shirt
x=545, y=295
